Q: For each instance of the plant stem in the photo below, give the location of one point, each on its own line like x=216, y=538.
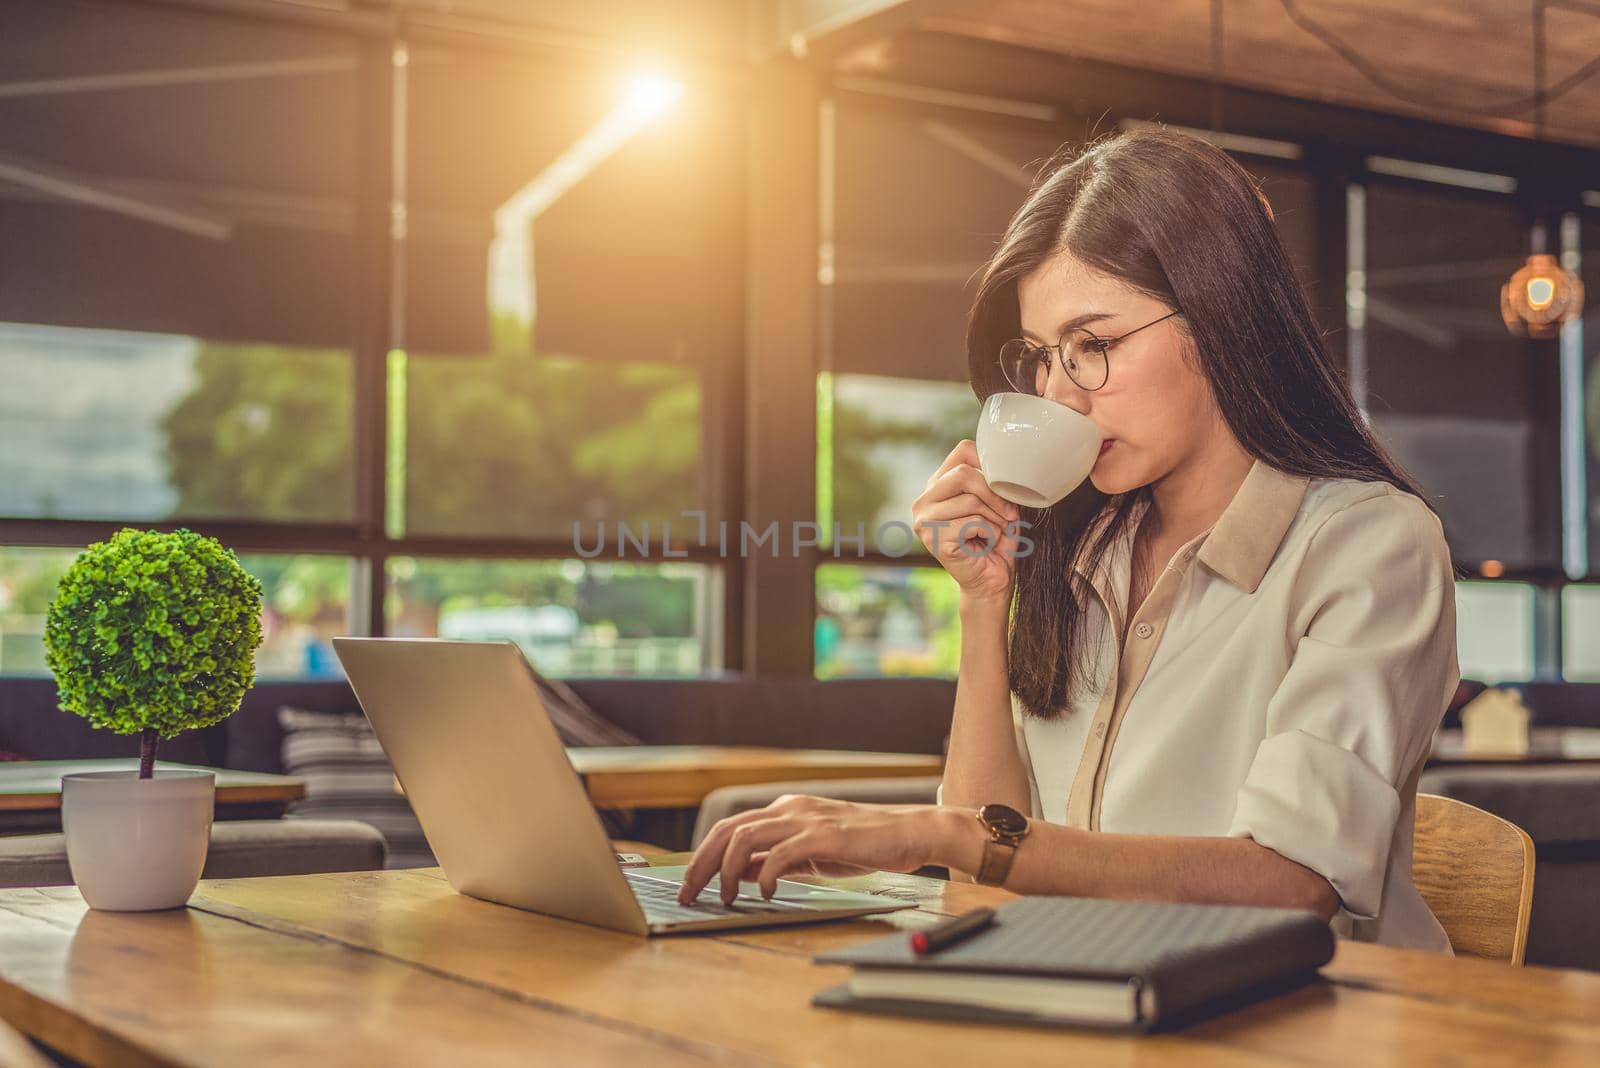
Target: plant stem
x=147, y=753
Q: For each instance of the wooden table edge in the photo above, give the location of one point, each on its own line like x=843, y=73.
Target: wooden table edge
x=67, y=1033
x=273, y=793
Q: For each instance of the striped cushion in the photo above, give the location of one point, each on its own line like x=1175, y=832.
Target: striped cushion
x=348, y=777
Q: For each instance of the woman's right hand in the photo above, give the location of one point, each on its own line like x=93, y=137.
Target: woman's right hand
x=983, y=563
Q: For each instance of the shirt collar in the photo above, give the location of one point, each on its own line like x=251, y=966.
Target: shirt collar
x=1244, y=541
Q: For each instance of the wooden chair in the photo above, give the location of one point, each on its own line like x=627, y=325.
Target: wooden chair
x=1475, y=871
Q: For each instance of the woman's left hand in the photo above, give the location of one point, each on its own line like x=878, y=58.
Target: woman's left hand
x=819, y=836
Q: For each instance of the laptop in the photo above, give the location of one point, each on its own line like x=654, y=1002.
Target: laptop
x=506, y=815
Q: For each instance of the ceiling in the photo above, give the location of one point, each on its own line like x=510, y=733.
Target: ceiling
x=1463, y=62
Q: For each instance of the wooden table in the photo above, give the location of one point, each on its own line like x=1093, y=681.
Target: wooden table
x=1546, y=745
x=395, y=968
x=680, y=776
x=30, y=790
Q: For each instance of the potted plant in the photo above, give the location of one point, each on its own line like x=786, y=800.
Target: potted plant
x=149, y=634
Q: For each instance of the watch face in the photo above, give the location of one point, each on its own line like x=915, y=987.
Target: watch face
x=1003, y=818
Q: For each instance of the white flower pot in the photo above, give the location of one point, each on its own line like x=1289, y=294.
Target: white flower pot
x=137, y=844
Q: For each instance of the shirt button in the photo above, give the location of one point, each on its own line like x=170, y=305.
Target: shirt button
x=1144, y=630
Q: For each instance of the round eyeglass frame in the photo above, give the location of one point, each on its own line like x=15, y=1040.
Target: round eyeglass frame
x=1059, y=351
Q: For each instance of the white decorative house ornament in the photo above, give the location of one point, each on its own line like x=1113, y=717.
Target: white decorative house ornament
x=1495, y=723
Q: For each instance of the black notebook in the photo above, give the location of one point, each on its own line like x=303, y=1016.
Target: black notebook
x=1088, y=962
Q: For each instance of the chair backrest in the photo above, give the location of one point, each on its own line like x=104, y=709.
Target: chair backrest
x=1475, y=871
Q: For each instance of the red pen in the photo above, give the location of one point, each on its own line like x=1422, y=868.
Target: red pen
x=944, y=935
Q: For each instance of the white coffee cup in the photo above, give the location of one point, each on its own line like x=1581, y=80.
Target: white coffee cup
x=1034, y=451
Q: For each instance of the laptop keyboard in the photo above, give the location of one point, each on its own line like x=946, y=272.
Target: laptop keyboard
x=660, y=902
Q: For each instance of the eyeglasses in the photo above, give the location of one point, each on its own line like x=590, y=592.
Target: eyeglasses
x=1084, y=356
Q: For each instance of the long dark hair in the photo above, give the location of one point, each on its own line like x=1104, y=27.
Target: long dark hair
x=1176, y=218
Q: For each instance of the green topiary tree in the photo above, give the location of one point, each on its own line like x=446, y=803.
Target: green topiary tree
x=154, y=634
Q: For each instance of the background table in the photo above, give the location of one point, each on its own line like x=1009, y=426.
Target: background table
x=396, y=968
x=1546, y=745
x=680, y=776
x=30, y=791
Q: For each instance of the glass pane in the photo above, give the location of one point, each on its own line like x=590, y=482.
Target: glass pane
x=177, y=301
x=880, y=439
x=1293, y=200
x=574, y=293
x=874, y=620
x=1468, y=408
x=570, y=617
x=28, y=579
x=920, y=203
x=516, y=445
x=1591, y=407
x=112, y=424
x=305, y=601
x=1494, y=631
x=1580, y=633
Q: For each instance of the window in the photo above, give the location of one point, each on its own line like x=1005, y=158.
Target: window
x=571, y=618
x=28, y=579
x=115, y=424
x=880, y=439
x=574, y=287
x=1293, y=198
x=1468, y=408
x=1580, y=633
x=918, y=202
x=1590, y=238
x=874, y=620
x=305, y=601
x=179, y=331
x=176, y=301
x=1494, y=631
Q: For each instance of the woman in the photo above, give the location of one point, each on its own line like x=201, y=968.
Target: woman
x=1216, y=675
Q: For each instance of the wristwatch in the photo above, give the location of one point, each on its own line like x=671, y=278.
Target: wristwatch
x=1006, y=828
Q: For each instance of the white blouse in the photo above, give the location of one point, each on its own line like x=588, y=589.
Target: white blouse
x=1282, y=681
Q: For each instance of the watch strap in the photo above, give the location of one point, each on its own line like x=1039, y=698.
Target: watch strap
x=998, y=855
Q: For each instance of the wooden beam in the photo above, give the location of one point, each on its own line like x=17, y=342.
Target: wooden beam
x=1096, y=93
x=823, y=29
x=379, y=238
x=782, y=363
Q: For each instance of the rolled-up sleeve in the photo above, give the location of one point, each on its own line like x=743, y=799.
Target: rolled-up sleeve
x=1373, y=665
